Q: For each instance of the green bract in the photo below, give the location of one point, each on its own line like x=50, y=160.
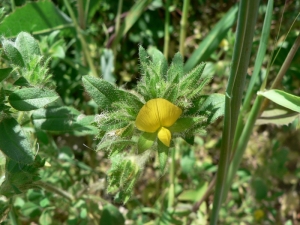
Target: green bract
x=118, y=133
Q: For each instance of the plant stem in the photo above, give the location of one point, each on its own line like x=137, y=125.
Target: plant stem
x=82, y=40
x=257, y=68
x=183, y=26
x=234, y=91
x=117, y=27
x=286, y=64
x=13, y=5
x=171, y=180
x=167, y=34
x=51, y=188
x=81, y=17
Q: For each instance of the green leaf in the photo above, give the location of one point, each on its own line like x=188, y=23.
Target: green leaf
x=13, y=53
x=30, y=209
x=22, y=82
x=260, y=188
x=103, y=93
x=14, y=143
x=193, y=195
x=83, y=126
x=46, y=217
x=159, y=62
x=144, y=60
x=214, y=106
x=145, y=141
x=163, y=153
x=55, y=119
x=110, y=144
x=35, y=18
x=183, y=124
x=175, y=71
x=277, y=116
x=4, y=73
x=212, y=40
x=27, y=46
x=111, y=216
x=31, y=98
x=282, y=98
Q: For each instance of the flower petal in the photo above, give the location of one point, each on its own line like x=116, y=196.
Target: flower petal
x=157, y=113
x=168, y=112
x=147, y=119
x=164, y=135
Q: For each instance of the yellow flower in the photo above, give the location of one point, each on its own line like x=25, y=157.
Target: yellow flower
x=156, y=116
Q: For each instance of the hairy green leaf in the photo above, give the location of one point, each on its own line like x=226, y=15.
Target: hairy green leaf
x=4, y=73
x=31, y=98
x=14, y=143
x=13, y=53
x=145, y=141
x=103, y=92
x=27, y=46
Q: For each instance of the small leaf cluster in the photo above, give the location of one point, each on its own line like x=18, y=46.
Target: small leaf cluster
x=28, y=65
x=117, y=132
x=25, y=86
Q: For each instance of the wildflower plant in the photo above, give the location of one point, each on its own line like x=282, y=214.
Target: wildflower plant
x=166, y=104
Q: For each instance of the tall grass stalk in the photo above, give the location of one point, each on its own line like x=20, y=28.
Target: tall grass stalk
x=85, y=48
x=257, y=68
x=259, y=105
x=241, y=55
x=183, y=26
x=167, y=33
x=117, y=27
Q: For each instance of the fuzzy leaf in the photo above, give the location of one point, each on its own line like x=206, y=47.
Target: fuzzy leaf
x=110, y=144
x=103, y=93
x=4, y=73
x=27, y=46
x=145, y=141
x=13, y=53
x=214, y=107
x=20, y=177
x=131, y=100
x=63, y=119
x=182, y=124
x=163, y=153
x=282, y=98
x=22, y=82
x=159, y=62
x=144, y=61
x=31, y=98
x=14, y=143
x=192, y=79
x=175, y=71
x=171, y=92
